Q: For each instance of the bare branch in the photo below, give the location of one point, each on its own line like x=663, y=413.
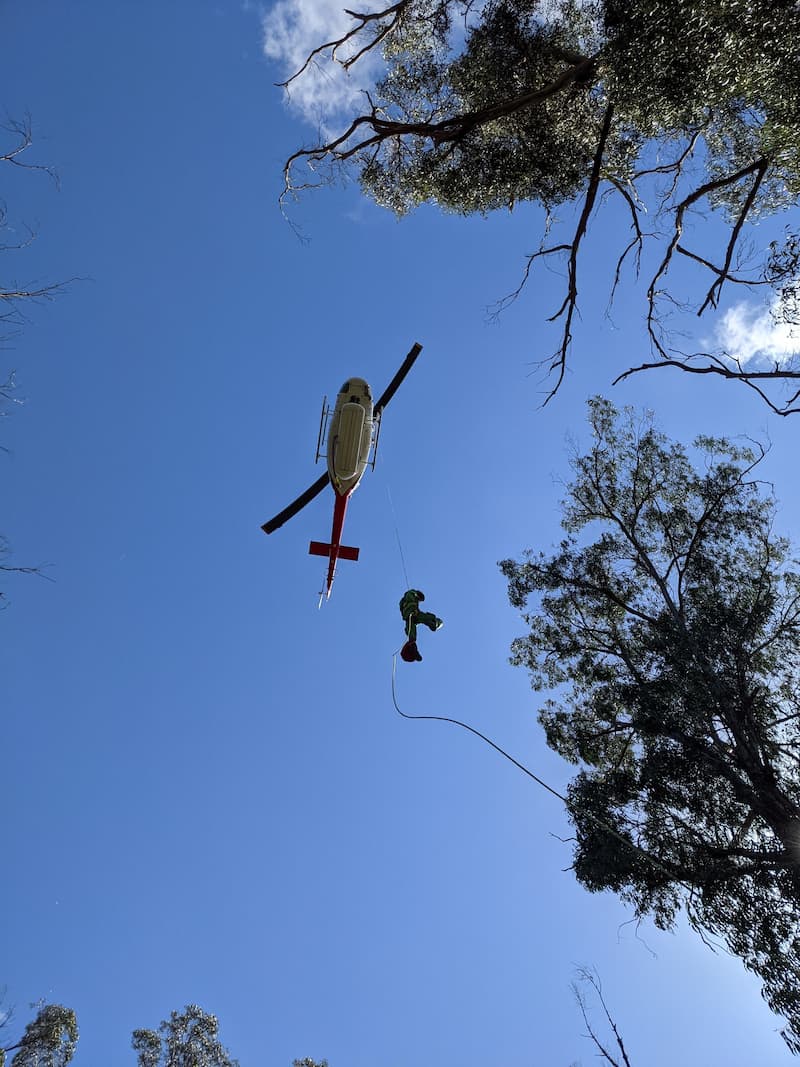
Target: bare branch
x=716, y=270
x=637, y=241
x=717, y=366
x=27, y=570
x=505, y=301
x=697, y=194
x=588, y=977
x=21, y=130
x=13, y=295
x=676, y=166
x=712, y=297
x=394, y=13
x=44, y=292
x=559, y=361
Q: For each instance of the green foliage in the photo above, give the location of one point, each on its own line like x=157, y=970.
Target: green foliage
x=187, y=1039
x=668, y=67
x=669, y=106
x=668, y=622
x=49, y=1040
x=681, y=63
x=538, y=153
x=783, y=271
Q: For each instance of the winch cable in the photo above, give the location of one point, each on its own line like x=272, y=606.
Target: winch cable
x=397, y=535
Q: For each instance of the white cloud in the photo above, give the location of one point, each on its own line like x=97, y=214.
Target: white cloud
x=751, y=334
x=294, y=28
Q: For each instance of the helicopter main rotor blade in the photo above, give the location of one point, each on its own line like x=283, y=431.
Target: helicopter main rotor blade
x=397, y=381
x=313, y=490
x=296, y=505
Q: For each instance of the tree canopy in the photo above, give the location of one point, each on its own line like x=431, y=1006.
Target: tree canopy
x=668, y=624
x=189, y=1038
x=49, y=1040
x=669, y=105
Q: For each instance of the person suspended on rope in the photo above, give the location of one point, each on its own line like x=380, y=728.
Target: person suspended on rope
x=413, y=617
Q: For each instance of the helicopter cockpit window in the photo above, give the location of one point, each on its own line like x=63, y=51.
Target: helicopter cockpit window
x=345, y=387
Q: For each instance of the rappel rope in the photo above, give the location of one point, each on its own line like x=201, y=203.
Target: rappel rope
x=472, y=730
x=659, y=864
x=594, y=818
x=397, y=535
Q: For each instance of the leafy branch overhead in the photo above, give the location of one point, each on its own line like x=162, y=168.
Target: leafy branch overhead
x=668, y=624
x=667, y=106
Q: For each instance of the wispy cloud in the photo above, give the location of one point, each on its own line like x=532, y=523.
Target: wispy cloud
x=753, y=334
x=292, y=29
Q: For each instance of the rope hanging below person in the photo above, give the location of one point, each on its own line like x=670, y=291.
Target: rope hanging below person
x=654, y=860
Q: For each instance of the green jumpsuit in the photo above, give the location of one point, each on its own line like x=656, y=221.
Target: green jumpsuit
x=412, y=616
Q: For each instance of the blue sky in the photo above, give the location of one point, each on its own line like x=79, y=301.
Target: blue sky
x=208, y=794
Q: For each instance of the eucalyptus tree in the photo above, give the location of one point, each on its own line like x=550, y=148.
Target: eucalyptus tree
x=667, y=626
x=49, y=1040
x=189, y=1038
x=669, y=106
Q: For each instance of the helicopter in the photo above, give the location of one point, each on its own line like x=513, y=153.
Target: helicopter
x=353, y=430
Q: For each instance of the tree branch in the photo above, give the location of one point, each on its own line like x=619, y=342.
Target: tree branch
x=721, y=273
x=718, y=367
x=451, y=129
x=394, y=13
x=697, y=194
x=586, y=975
x=559, y=361
x=712, y=297
x=22, y=131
